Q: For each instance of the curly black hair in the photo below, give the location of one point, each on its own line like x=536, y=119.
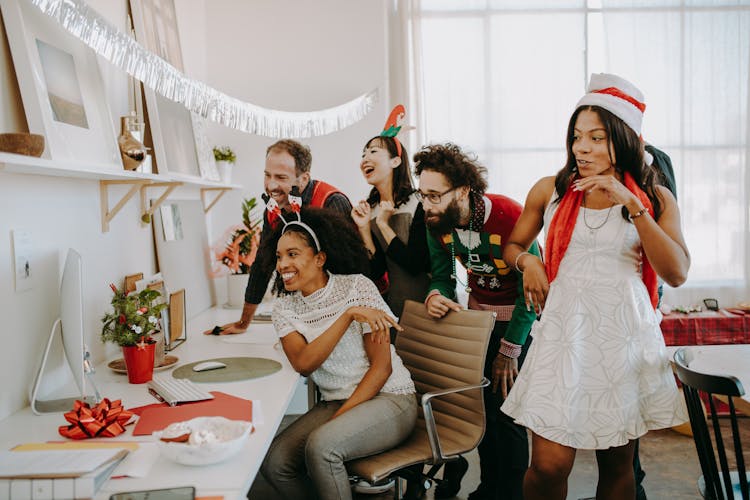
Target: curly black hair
x=628, y=157
x=459, y=168
x=338, y=237
x=298, y=151
x=402, y=186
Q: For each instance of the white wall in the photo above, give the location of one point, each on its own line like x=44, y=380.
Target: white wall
x=290, y=55
x=60, y=213
x=294, y=55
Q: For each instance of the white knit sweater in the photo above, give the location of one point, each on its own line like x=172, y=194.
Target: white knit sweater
x=310, y=316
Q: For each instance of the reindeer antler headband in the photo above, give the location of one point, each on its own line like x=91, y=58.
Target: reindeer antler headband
x=295, y=205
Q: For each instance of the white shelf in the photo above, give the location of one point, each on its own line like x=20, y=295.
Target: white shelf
x=30, y=165
x=22, y=164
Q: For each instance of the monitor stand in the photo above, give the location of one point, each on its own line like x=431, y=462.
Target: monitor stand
x=40, y=407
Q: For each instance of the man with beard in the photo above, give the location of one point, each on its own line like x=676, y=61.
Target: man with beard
x=467, y=224
x=287, y=165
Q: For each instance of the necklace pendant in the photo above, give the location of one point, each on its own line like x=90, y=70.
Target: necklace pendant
x=468, y=289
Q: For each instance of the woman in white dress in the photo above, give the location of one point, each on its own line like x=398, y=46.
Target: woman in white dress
x=597, y=375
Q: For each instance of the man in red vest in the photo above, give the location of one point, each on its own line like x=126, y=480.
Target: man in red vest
x=287, y=165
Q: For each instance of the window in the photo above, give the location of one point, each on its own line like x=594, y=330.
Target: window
x=501, y=78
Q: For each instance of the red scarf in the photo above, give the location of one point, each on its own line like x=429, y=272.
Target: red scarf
x=561, y=230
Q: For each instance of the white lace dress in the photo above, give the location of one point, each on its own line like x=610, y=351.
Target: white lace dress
x=344, y=368
x=597, y=374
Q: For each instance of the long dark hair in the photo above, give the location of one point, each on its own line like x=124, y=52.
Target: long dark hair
x=338, y=238
x=629, y=157
x=402, y=185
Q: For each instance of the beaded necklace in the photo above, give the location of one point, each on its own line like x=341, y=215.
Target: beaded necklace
x=470, y=247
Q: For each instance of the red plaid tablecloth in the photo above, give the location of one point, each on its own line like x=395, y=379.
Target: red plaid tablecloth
x=706, y=327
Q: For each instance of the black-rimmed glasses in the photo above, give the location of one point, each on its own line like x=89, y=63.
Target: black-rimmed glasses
x=433, y=198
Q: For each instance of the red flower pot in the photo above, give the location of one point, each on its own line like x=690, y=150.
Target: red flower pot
x=139, y=360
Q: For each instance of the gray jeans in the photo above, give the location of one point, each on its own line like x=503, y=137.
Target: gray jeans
x=309, y=455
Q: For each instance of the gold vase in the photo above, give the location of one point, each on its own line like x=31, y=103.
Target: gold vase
x=132, y=151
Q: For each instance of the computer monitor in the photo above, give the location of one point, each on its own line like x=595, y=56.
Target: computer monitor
x=71, y=323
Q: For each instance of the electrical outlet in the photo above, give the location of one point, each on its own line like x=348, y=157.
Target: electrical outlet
x=22, y=260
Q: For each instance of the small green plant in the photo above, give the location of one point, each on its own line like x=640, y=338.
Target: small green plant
x=224, y=153
x=134, y=317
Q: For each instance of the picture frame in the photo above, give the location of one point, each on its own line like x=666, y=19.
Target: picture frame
x=177, y=320
x=131, y=280
x=62, y=89
x=171, y=221
x=165, y=323
x=178, y=136
x=186, y=263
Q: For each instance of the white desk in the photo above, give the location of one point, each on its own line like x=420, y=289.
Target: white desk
x=725, y=359
x=232, y=478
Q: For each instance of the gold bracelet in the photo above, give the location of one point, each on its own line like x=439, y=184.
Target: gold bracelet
x=637, y=214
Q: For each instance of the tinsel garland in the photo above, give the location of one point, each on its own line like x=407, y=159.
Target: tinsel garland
x=123, y=51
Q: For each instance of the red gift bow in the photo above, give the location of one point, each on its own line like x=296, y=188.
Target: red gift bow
x=106, y=419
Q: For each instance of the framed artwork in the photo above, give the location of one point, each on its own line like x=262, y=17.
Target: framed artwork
x=178, y=136
x=206, y=161
x=171, y=222
x=130, y=281
x=61, y=87
x=185, y=263
x=177, y=320
x=160, y=287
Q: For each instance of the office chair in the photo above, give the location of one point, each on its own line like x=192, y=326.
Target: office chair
x=446, y=360
x=714, y=483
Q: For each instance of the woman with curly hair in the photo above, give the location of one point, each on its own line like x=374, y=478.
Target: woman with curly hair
x=334, y=327
x=597, y=375
x=391, y=223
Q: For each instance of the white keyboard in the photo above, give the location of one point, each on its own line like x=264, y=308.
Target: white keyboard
x=172, y=390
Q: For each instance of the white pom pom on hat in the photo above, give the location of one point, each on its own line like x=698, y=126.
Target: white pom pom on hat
x=618, y=96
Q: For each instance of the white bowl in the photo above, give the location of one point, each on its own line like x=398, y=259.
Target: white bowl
x=224, y=439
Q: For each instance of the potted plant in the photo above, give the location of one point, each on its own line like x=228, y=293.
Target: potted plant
x=236, y=250
x=225, y=158
x=131, y=323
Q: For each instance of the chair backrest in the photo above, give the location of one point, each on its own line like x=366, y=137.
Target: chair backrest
x=444, y=354
x=718, y=484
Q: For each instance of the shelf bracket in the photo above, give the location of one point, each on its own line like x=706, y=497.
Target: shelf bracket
x=107, y=214
x=147, y=212
x=204, y=199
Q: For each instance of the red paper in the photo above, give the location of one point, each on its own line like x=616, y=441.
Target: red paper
x=157, y=416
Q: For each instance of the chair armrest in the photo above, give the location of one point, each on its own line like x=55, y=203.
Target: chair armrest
x=429, y=418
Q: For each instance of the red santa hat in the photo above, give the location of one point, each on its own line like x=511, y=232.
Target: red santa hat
x=618, y=96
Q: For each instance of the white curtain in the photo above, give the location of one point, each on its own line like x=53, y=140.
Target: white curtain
x=501, y=78
x=405, y=67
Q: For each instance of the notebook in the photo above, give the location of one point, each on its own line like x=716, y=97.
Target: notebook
x=55, y=463
x=59, y=474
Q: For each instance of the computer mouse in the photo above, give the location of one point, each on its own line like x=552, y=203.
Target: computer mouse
x=208, y=365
